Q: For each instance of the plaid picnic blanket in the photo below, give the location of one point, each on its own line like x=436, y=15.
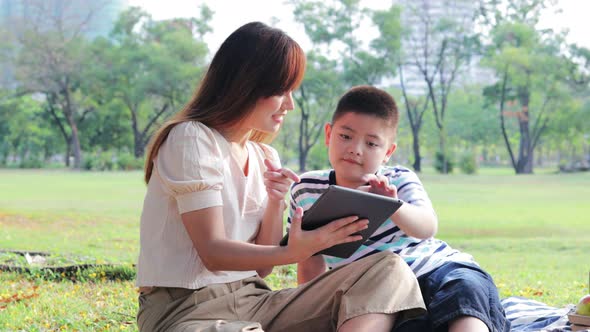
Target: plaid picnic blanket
x=533, y=316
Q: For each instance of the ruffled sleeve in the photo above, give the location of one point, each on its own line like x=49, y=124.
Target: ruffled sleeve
x=190, y=165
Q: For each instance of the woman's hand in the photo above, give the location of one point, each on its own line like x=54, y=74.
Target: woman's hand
x=378, y=185
x=278, y=180
x=303, y=244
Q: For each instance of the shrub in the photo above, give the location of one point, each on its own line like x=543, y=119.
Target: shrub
x=31, y=163
x=467, y=163
x=106, y=162
x=126, y=161
x=88, y=162
x=438, y=162
x=98, y=161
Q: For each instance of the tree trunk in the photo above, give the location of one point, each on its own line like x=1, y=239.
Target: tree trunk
x=139, y=147
x=443, y=149
x=70, y=117
x=68, y=152
x=76, y=146
x=417, y=165
x=139, y=141
x=302, y=160
x=525, y=149
x=303, y=135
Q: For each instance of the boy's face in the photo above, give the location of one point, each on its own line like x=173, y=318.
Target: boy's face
x=357, y=145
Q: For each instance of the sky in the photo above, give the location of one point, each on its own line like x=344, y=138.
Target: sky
x=231, y=14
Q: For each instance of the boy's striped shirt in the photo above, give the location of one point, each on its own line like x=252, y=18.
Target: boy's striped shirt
x=421, y=255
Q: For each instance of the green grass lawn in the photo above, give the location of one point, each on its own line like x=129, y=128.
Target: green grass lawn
x=532, y=233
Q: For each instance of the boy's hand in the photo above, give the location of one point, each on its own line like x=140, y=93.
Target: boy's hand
x=278, y=180
x=378, y=185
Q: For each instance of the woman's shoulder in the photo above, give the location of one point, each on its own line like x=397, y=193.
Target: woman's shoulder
x=195, y=138
x=192, y=129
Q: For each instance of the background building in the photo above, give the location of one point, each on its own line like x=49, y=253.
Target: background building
x=419, y=18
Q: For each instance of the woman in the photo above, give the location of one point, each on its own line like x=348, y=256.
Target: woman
x=213, y=213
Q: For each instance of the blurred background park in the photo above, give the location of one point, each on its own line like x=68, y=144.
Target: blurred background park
x=495, y=114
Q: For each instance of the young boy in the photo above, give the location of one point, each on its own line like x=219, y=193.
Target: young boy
x=459, y=295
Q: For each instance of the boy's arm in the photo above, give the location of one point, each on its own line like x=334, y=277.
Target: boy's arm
x=310, y=268
x=417, y=221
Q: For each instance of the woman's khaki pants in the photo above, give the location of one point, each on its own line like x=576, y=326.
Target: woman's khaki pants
x=381, y=283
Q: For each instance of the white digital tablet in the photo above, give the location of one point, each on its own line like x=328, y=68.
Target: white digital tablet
x=339, y=202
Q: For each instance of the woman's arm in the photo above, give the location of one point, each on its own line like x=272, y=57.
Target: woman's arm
x=206, y=230
x=277, y=182
x=271, y=228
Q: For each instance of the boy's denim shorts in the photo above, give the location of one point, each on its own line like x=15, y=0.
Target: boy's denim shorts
x=455, y=290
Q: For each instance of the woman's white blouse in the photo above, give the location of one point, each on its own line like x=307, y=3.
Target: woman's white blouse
x=193, y=170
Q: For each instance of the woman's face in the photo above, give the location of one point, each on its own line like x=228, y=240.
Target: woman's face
x=269, y=113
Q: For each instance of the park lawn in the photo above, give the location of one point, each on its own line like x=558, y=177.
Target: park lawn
x=530, y=232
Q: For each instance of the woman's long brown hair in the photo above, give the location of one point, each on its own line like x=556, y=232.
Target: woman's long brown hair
x=255, y=61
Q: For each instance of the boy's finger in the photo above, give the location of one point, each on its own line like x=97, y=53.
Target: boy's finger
x=364, y=188
x=369, y=177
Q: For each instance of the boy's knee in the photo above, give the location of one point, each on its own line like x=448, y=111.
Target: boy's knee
x=471, y=279
x=470, y=283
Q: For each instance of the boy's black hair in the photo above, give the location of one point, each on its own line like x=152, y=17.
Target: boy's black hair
x=369, y=100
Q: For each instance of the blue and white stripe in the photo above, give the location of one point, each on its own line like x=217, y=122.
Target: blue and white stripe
x=422, y=256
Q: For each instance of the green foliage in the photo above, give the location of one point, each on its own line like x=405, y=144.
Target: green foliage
x=149, y=69
x=333, y=27
x=472, y=120
x=125, y=86
x=283, y=277
x=25, y=132
x=98, y=94
x=440, y=161
x=318, y=157
x=99, y=161
x=31, y=162
x=127, y=162
x=535, y=78
x=111, y=160
x=81, y=273
x=467, y=163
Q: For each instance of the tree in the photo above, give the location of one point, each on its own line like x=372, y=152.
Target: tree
x=438, y=47
x=532, y=78
x=51, y=61
x=24, y=132
x=388, y=44
x=472, y=122
x=316, y=99
x=151, y=67
x=333, y=27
